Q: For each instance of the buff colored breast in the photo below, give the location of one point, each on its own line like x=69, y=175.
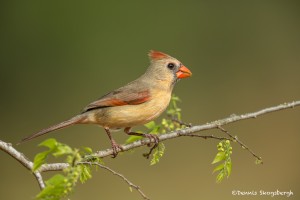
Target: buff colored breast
x=132, y=115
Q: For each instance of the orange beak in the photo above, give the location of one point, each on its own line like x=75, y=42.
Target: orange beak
x=183, y=72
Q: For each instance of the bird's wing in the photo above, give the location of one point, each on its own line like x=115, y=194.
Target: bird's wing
x=121, y=97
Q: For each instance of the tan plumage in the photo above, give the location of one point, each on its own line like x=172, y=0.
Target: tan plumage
x=136, y=103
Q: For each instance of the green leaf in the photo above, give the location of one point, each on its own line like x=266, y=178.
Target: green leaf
x=219, y=157
x=171, y=111
x=258, y=161
x=158, y=153
x=88, y=150
x=150, y=125
x=85, y=173
x=133, y=138
x=175, y=98
x=61, y=150
x=219, y=167
x=220, y=176
x=178, y=109
x=54, y=189
x=155, y=130
x=50, y=143
x=164, y=122
x=40, y=159
x=228, y=168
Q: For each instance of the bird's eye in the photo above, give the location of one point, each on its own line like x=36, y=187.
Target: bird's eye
x=171, y=65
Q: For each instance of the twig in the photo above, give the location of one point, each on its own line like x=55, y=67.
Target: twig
x=234, y=138
x=117, y=174
x=181, y=123
x=7, y=147
x=207, y=137
x=39, y=178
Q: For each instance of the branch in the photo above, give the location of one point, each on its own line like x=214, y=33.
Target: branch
x=131, y=185
x=235, y=138
x=6, y=147
x=183, y=132
x=181, y=122
x=197, y=128
x=207, y=136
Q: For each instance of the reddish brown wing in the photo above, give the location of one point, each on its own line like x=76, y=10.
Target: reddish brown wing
x=120, y=98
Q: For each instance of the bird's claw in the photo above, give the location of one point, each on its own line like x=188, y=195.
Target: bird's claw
x=156, y=141
x=152, y=137
x=116, y=148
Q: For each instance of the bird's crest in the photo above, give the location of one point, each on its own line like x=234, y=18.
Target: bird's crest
x=157, y=55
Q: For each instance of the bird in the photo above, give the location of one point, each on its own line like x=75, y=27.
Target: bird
x=136, y=103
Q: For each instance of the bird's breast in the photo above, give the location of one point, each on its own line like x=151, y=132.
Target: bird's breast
x=133, y=115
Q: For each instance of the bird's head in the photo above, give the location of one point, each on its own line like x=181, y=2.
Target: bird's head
x=166, y=68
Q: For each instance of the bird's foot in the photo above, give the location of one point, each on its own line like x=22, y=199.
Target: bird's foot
x=116, y=148
x=151, y=137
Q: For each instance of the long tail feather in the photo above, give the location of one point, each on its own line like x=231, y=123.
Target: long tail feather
x=61, y=125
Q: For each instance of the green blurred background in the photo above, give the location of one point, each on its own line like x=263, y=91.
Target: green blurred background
x=58, y=56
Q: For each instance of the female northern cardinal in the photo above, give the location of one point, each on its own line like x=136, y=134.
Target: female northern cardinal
x=136, y=103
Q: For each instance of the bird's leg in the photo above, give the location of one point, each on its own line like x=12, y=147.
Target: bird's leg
x=147, y=135
x=115, y=146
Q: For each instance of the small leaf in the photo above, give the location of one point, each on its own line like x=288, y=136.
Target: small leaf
x=40, y=159
x=130, y=189
x=88, y=150
x=158, y=153
x=178, y=109
x=54, y=189
x=61, y=150
x=85, y=173
x=228, y=168
x=258, y=161
x=220, y=177
x=175, y=98
x=50, y=143
x=133, y=138
x=155, y=130
x=220, y=167
x=171, y=126
x=150, y=125
x=164, y=122
x=219, y=157
x=171, y=111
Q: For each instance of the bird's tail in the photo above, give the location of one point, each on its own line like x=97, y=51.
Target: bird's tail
x=75, y=120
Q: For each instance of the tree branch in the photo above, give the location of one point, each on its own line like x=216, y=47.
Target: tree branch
x=131, y=185
x=207, y=136
x=7, y=147
x=235, y=138
x=183, y=132
x=197, y=128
